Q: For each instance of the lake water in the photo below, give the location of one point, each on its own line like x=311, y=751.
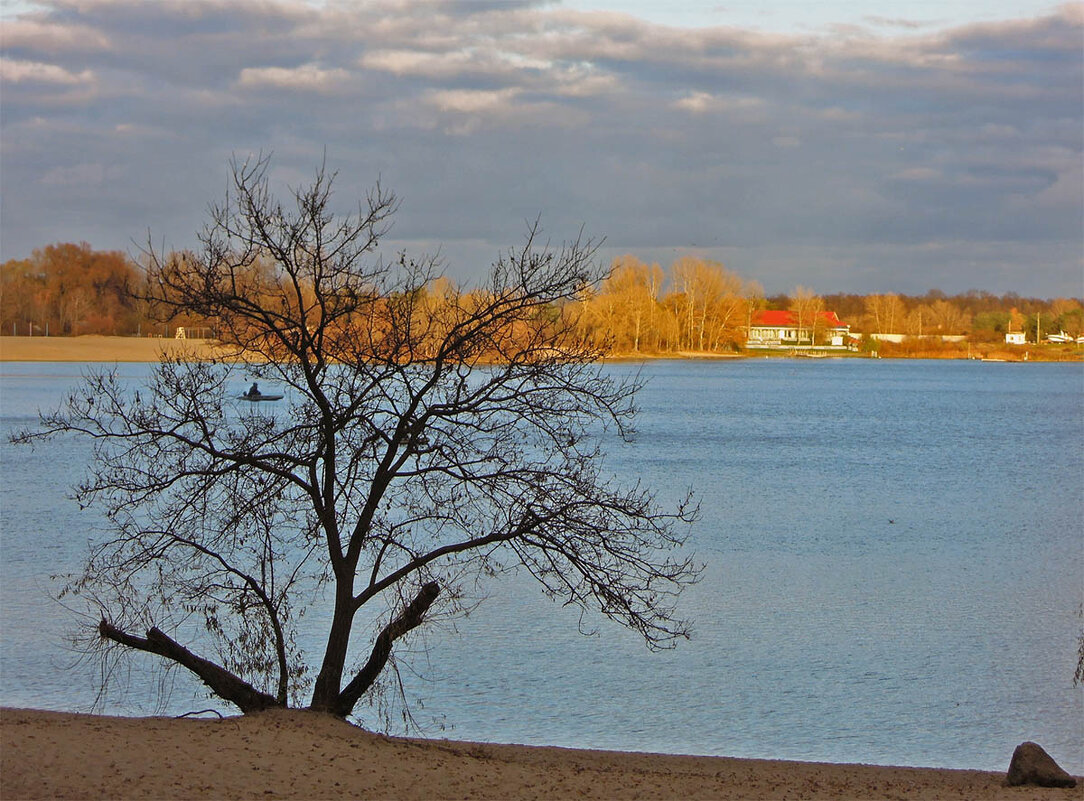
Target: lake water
x=895, y=571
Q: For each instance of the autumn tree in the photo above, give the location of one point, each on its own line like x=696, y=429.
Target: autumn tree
x=1068, y=316
x=709, y=303
x=20, y=296
x=989, y=326
x=1017, y=320
x=807, y=307
x=624, y=313
x=668, y=324
x=945, y=318
x=613, y=314
x=914, y=324
x=631, y=297
x=70, y=289
x=427, y=444
x=885, y=313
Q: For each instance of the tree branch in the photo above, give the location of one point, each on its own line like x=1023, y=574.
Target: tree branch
x=224, y=684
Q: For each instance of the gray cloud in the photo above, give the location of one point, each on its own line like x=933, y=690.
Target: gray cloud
x=847, y=161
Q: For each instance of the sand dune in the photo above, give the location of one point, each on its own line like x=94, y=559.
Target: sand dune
x=295, y=754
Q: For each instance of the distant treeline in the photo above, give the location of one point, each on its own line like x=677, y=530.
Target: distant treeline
x=68, y=290
x=694, y=305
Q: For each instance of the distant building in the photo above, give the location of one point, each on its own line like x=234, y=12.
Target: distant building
x=776, y=328
x=1015, y=338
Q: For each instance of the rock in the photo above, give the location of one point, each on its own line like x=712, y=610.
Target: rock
x=1032, y=765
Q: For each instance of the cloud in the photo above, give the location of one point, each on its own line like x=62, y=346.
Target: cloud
x=305, y=78
x=705, y=102
x=765, y=147
x=418, y=63
x=472, y=101
x=15, y=71
x=55, y=37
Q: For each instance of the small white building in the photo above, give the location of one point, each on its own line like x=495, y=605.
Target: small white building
x=778, y=328
x=1015, y=338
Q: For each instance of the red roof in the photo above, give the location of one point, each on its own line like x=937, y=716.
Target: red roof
x=783, y=318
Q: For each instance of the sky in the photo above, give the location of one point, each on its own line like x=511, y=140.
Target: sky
x=843, y=147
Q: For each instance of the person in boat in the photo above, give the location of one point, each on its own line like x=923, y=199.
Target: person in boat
x=253, y=391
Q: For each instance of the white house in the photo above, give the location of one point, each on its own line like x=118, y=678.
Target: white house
x=1015, y=338
x=778, y=328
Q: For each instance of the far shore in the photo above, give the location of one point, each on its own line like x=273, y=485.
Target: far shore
x=93, y=348
x=303, y=755
x=110, y=349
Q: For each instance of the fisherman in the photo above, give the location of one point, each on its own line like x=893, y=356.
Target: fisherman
x=253, y=391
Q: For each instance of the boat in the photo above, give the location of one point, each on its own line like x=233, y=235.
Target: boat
x=253, y=395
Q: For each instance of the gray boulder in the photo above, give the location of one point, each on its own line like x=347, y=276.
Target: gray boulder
x=1032, y=765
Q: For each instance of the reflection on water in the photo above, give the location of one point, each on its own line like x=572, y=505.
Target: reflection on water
x=894, y=560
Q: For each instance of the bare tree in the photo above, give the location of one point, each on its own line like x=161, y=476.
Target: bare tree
x=807, y=306
x=426, y=442
x=885, y=312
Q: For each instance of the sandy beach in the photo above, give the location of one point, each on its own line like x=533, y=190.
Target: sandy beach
x=94, y=348
x=297, y=754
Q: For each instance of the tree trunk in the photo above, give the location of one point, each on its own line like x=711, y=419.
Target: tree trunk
x=411, y=617
x=325, y=692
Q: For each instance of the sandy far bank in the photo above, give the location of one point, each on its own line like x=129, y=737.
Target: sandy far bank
x=96, y=348
x=295, y=754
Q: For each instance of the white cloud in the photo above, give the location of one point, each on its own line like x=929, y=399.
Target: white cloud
x=417, y=62
x=472, y=101
x=54, y=36
x=705, y=102
x=306, y=78
x=580, y=84
x=697, y=102
x=16, y=71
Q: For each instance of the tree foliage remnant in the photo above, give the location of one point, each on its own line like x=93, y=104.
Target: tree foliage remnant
x=430, y=438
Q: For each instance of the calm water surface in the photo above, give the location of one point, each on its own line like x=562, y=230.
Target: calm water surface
x=894, y=550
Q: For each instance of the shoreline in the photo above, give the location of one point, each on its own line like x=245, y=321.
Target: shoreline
x=96, y=348
x=119, y=349
x=300, y=754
